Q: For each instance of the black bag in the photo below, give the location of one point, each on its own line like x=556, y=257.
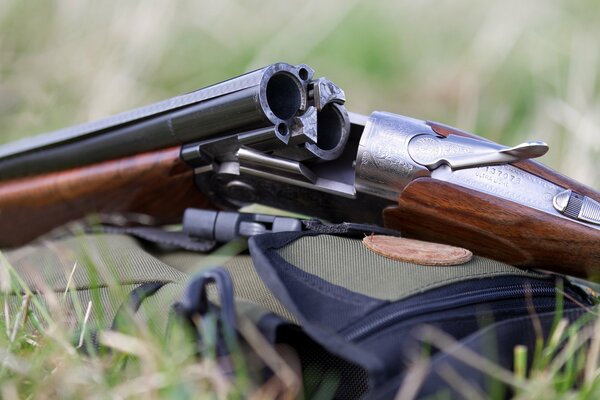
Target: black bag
x=359, y=314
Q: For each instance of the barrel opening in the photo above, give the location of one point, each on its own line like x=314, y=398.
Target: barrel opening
x=284, y=95
x=330, y=126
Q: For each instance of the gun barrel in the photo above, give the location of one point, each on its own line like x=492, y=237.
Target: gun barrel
x=270, y=96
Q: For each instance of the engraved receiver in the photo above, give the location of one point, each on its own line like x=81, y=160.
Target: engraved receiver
x=460, y=189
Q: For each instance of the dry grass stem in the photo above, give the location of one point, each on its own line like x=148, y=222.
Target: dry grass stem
x=141, y=385
x=574, y=343
x=558, y=333
x=88, y=312
x=14, y=363
x=271, y=358
x=69, y=285
x=9, y=391
x=271, y=389
x=6, y=317
x=450, y=346
x=127, y=344
x=593, y=357
x=208, y=370
x=21, y=317
x=467, y=390
x=535, y=320
x=5, y=279
x=57, y=333
x=414, y=379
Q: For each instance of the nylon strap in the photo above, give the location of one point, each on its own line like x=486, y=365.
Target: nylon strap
x=184, y=241
x=163, y=237
x=348, y=229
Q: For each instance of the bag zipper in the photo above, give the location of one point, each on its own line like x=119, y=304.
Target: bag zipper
x=402, y=312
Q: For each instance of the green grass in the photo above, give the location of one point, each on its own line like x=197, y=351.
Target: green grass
x=46, y=363
x=45, y=353
x=55, y=344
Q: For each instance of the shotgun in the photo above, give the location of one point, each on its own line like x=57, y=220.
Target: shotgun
x=278, y=136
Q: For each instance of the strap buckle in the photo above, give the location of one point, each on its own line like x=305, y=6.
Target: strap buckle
x=224, y=226
x=214, y=326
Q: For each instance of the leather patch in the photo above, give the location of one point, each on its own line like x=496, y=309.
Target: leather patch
x=417, y=251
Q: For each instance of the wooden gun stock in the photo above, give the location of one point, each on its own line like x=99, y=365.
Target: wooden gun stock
x=157, y=184
x=434, y=210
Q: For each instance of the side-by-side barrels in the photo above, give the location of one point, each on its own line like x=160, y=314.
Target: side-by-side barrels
x=271, y=96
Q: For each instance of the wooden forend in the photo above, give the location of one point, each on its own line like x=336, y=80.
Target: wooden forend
x=157, y=184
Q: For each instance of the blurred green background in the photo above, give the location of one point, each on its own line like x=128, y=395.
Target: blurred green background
x=507, y=70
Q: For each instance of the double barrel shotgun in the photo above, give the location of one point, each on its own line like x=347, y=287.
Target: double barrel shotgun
x=281, y=137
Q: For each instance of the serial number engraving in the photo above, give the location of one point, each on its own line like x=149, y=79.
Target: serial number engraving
x=510, y=183
x=498, y=176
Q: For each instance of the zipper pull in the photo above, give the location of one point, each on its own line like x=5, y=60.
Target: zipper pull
x=589, y=290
